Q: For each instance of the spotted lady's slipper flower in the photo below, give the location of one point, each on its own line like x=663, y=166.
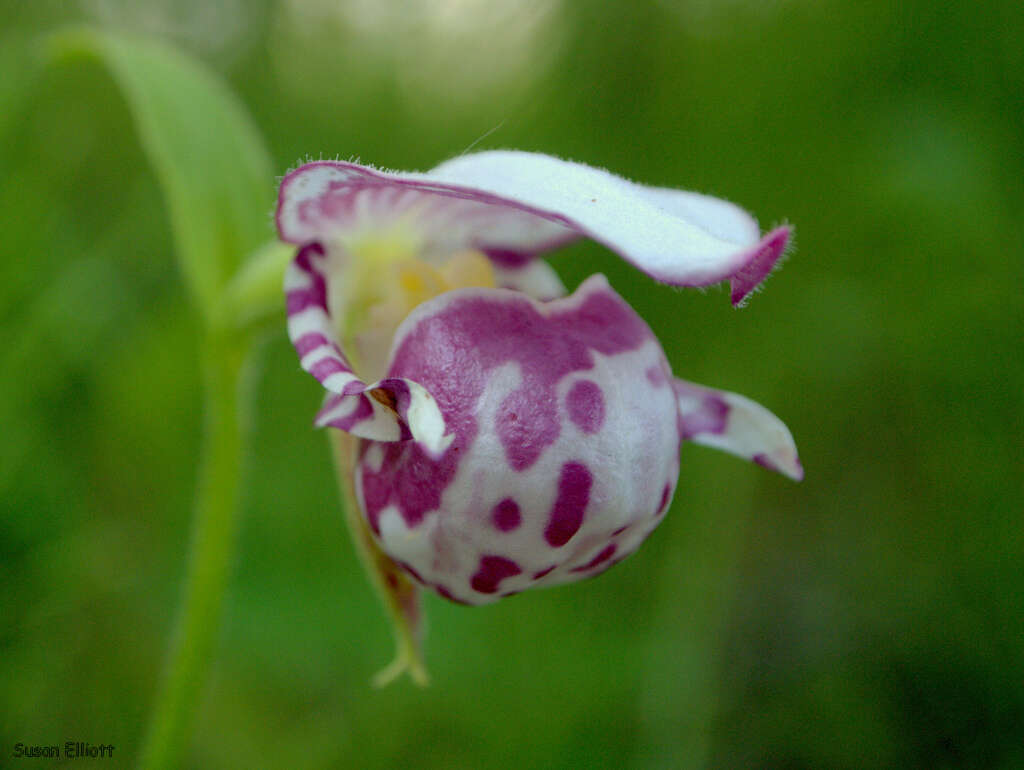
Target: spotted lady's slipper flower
x=509, y=436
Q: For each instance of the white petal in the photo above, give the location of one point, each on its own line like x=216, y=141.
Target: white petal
x=721, y=218
x=734, y=423
x=515, y=205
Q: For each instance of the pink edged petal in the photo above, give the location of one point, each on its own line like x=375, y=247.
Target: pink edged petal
x=515, y=205
x=326, y=200
x=677, y=237
x=761, y=260
x=392, y=409
x=734, y=423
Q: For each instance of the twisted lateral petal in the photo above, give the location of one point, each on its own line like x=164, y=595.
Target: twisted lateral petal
x=392, y=409
x=735, y=424
x=515, y=205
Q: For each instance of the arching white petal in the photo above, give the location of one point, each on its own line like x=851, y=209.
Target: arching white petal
x=721, y=218
x=735, y=424
x=514, y=205
x=392, y=409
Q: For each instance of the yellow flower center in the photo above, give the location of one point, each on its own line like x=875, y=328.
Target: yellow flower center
x=382, y=280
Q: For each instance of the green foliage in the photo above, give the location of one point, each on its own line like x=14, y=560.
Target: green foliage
x=213, y=167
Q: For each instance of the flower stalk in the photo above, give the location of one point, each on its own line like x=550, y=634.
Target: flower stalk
x=211, y=551
x=398, y=594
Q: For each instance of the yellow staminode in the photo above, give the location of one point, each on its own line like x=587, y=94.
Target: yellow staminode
x=384, y=281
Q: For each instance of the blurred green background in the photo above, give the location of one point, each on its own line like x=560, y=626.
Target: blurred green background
x=872, y=616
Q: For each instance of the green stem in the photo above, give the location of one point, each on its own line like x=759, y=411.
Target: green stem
x=398, y=593
x=210, y=555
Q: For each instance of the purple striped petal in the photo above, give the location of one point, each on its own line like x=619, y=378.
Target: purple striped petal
x=735, y=424
x=392, y=409
x=516, y=205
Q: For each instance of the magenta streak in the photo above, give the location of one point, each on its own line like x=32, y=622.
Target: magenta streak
x=302, y=299
x=570, y=505
x=325, y=367
x=666, y=495
x=492, y=570
x=310, y=341
x=759, y=262
x=604, y=556
x=363, y=411
x=316, y=293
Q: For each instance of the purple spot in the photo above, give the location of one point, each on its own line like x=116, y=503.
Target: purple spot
x=492, y=570
x=586, y=406
x=619, y=531
x=765, y=462
x=543, y=572
x=506, y=515
x=573, y=496
x=656, y=376
x=604, y=556
x=710, y=417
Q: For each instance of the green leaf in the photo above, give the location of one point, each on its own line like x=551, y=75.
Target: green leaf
x=21, y=70
x=209, y=158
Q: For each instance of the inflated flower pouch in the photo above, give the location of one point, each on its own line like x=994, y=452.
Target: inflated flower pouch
x=511, y=436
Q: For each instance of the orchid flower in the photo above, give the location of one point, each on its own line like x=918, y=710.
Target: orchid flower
x=509, y=436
